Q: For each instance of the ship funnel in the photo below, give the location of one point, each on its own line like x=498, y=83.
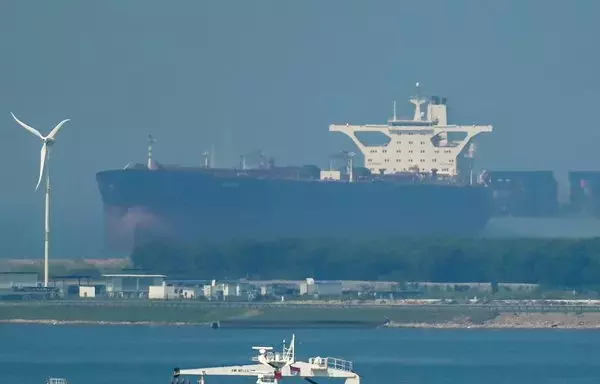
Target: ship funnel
x=436, y=111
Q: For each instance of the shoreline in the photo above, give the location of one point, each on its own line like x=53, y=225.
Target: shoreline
x=295, y=317
x=552, y=320
x=502, y=321
x=101, y=322
x=485, y=326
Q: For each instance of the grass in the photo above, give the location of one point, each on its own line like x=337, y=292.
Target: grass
x=171, y=312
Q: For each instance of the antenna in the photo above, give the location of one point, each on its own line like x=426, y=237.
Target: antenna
x=394, y=110
x=417, y=101
x=206, y=155
x=151, y=140
x=290, y=352
x=47, y=142
x=349, y=166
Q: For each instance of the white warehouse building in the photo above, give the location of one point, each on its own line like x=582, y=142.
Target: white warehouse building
x=321, y=288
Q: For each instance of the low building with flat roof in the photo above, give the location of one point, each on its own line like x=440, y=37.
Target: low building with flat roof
x=9, y=280
x=131, y=284
x=321, y=288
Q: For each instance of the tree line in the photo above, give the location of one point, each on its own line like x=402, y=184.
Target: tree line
x=552, y=262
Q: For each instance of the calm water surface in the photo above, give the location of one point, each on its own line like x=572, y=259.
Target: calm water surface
x=147, y=355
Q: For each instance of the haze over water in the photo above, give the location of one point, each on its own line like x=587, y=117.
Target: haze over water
x=271, y=75
x=145, y=354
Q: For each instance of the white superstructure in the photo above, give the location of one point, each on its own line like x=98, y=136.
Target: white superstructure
x=424, y=144
x=271, y=367
x=54, y=380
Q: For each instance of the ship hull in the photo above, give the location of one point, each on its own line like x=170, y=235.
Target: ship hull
x=143, y=205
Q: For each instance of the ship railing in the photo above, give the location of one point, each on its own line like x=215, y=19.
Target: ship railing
x=55, y=380
x=330, y=362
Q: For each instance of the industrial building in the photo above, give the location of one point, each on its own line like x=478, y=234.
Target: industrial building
x=321, y=288
x=10, y=280
x=127, y=285
x=222, y=291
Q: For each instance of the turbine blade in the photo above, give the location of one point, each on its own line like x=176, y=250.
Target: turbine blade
x=55, y=130
x=27, y=127
x=42, y=163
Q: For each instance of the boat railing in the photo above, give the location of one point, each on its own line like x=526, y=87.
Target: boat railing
x=267, y=379
x=274, y=357
x=330, y=362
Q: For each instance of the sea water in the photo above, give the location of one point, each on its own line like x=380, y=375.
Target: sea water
x=29, y=354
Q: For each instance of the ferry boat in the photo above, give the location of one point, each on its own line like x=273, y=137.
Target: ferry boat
x=271, y=367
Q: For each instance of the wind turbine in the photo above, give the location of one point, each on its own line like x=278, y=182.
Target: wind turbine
x=47, y=142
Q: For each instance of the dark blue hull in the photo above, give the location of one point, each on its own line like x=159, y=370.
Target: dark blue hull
x=141, y=205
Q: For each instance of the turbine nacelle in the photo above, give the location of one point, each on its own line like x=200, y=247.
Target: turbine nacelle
x=47, y=141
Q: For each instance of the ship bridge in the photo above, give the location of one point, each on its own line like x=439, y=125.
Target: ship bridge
x=426, y=143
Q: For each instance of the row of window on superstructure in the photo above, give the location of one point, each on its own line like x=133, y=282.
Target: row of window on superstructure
x=411, y=142
x=410, y=151
x=412, y=133
x=411, y=160
x=374, y=170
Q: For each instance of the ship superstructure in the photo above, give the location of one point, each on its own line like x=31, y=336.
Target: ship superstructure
x=424, y=144
x=272, y=367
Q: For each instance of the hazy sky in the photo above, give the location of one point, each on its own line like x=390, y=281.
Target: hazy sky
x=273, y=75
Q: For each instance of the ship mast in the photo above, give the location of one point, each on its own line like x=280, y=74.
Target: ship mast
x=151, y=141
x=417, y=101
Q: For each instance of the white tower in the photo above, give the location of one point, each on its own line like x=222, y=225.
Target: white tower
x=151, y=141
x=47, y=142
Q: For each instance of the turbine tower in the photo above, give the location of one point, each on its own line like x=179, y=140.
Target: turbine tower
x=47, y=142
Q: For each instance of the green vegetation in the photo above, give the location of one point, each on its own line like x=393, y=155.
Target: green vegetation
x=564, y=263
x=195, y=312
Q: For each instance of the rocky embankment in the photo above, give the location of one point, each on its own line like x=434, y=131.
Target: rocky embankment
x=516, y=320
